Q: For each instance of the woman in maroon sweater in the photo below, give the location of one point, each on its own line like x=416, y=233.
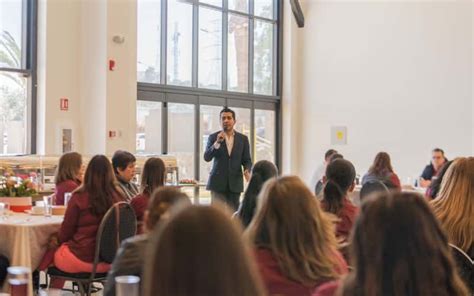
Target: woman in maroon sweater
x=84, y=213
x=68, y=175
x=295, y=245
x=339, y=181
x=153, y=177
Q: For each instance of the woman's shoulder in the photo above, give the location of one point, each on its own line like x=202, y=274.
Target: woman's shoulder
x=67, y=184
x=80, y=198
x=140, y=198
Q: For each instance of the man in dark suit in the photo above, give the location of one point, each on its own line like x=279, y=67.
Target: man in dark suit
x=230, y=151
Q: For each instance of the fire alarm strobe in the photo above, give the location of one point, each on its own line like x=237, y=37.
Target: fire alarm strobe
x=64, y=104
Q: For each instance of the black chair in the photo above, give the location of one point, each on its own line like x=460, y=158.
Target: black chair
x=372, y=187
x=4, y=264
x=465, y=266
x=118, y=223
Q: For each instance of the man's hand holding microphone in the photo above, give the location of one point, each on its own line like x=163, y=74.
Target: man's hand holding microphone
x=219, y=140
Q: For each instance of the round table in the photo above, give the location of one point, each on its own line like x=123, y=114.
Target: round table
x=24, y=238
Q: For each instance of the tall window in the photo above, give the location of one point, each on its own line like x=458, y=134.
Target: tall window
x=16, y=74
x=196, y=56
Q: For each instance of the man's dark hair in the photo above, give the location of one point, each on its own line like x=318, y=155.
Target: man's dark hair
x=438, y=150
x=329, y=153
x=122, y=159
x=225, y=110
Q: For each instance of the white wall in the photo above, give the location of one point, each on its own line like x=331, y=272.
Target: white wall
x=399, y=75
x=58, y=73
x=74, y=45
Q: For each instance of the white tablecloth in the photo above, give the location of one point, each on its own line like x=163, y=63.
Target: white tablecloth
x=24, y=238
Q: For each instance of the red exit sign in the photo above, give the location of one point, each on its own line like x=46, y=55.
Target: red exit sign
x=64, y=104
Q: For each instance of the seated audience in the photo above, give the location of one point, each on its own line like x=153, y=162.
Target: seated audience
x=124, y=169
x=83, y=215
x=431, y=170
x=199, y=251
x=261, y=172
x=339, y=182
x=435, y=186
x=130, y=256
x=69, y=175
x=321, y=169
x=372, y=188
x=153, y=177
x=4, y=264
x=454, y=206
x=399, y=249
x=381, y=170
x=294, y=241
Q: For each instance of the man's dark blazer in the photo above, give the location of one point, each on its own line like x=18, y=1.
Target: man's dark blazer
x=226, y=172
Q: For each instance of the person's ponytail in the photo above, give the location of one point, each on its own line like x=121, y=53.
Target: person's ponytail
x=334, y=196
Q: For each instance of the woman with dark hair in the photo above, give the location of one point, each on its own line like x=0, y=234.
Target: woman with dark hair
x=339, y=182
x=294, y=240
x=435, y=186
x=399, y=249
x=153, y=177
x=83, y=215
x=261, y=172
x=68, y=176
x=198, y=250
x=382, y=170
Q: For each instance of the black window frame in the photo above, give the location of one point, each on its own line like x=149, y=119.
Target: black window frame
x=28, y=68
x=165, y=93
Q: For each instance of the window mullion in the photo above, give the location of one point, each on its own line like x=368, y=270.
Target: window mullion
x=164, y=41
x=195, y=45
x=251, y=54
x=225, y=44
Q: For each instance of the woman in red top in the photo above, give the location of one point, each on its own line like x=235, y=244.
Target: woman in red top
x=83, y=215
x=153, y=177
x=68, y=175
x=294, y=240
x=339, y=181
x=382, y=170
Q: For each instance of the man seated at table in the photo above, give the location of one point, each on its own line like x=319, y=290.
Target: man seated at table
x=123, y=163
x=129, y=259
x=431, y=170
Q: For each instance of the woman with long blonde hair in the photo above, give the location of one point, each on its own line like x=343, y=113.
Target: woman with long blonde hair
x=294, y=239
x=454, y=206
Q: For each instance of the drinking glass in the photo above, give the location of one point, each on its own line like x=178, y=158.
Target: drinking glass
x=4, y=210
x=127, y=285
x=48, y=205
x=18, y=280
x=67, y=197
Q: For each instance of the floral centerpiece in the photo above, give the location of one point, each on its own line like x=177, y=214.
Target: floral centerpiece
x=17, y=192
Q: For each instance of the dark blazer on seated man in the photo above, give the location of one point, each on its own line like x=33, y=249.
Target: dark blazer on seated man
x=226, y=177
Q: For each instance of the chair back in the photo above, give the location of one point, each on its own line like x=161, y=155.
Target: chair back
x=372, y=187
x=118, y=223
x=465, y=266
